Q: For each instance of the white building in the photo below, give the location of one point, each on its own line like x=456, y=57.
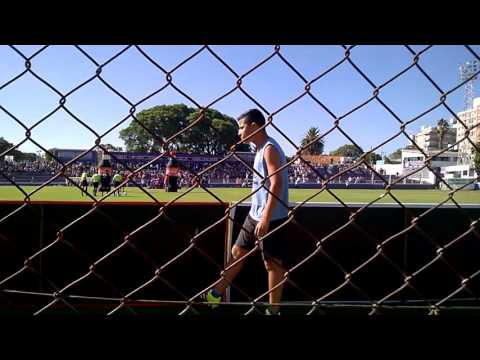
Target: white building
x=458, y=172
x=388, y=169
x=413, y=159
x=459, y=176
x=429, y=139
x=471, y=118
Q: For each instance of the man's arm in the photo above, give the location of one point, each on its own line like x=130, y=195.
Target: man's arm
x=272, y=160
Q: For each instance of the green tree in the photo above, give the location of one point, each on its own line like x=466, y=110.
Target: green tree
x=111, y=147
x=348, y=151
x=21, y=156
x=373, y=157
x=4, y=145
x=161, y=123
x=213, y=133
x=476, y=159
x=442, y=129
x=395, y=156
x=49, y=157
x=17, y=154
x=315, y=148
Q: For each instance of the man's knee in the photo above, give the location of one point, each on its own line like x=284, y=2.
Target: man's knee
x=273, y=265
x=238, y=252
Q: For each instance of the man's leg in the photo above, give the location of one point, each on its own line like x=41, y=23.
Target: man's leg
x=230, y=274
x=244, y=242
x=276, y=273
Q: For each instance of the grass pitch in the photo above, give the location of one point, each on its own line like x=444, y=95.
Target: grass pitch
x=73, y=194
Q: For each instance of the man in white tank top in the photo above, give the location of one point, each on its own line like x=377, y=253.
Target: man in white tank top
x=269, y=210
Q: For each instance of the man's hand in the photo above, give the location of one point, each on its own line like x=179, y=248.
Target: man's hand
x=261, y=229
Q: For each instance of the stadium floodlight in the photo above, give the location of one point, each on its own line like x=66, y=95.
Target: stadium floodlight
x=467, y=70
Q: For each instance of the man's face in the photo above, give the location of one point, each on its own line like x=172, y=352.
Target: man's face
x=245, y=128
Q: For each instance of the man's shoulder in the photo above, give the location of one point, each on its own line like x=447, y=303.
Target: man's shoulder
x=271, y=142
x=272, y=151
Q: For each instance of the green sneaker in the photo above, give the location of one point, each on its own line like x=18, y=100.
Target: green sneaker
x=212, y=300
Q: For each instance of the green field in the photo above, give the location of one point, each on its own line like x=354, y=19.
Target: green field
x=61, y=193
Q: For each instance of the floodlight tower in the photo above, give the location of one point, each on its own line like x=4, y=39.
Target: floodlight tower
x=467, y=70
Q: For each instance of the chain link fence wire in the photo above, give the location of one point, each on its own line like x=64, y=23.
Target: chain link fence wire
x=63, y=294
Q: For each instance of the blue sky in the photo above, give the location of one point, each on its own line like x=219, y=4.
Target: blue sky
x=204, y=79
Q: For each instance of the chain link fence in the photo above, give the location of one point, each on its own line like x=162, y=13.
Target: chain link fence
x=63, y=294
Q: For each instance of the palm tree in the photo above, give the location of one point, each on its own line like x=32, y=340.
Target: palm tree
x=476, y=159
x=315, y=148
x=442, y=128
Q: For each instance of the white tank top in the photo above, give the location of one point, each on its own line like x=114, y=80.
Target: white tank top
x=259, y=199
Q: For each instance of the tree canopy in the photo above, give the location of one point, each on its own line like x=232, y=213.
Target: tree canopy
x=213, y=134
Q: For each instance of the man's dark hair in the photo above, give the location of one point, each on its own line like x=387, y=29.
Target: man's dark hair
x=253, y=116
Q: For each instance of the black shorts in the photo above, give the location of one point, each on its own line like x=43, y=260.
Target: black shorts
x=273, y=246
x=104, y=187
x=95, y=185
x=84, y=183
x=172, y=183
